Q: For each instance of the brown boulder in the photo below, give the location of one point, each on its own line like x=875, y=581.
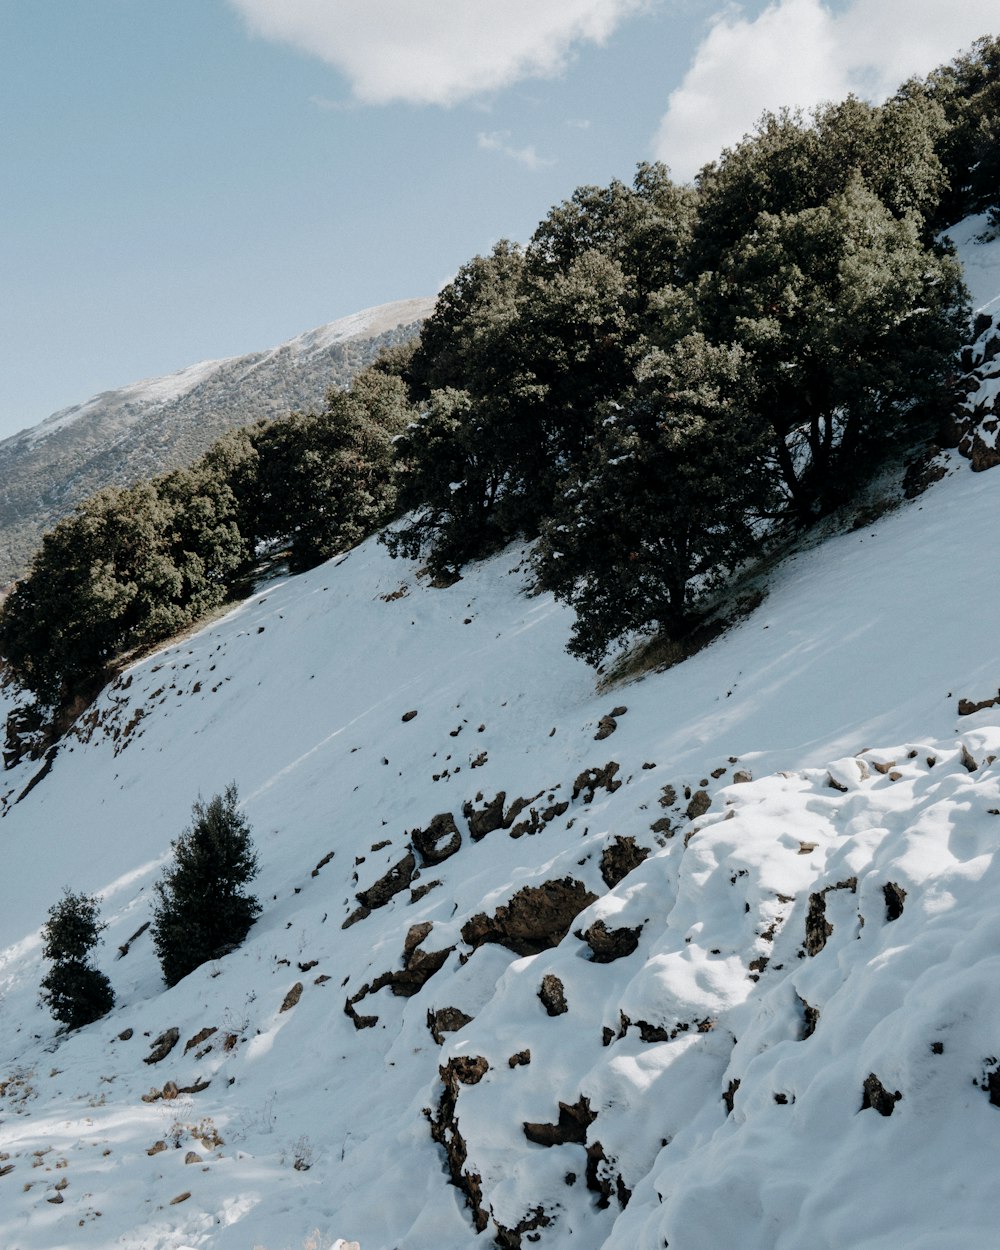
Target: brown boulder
x=535, y=919
x=439, y=841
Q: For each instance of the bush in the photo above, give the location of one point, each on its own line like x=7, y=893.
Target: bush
x=74, y=991
x=202, y=911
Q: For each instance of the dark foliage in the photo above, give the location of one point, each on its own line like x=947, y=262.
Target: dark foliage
x=670, y=504
x=74, y=991
x=202, y=911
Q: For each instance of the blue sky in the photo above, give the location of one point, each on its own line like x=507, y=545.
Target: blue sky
x=188, y=179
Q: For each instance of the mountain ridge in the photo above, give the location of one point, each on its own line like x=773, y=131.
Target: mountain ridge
x=119, y=436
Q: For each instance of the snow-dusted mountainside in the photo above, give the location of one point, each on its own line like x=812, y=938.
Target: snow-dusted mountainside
x=706, y=960
x=136, y=431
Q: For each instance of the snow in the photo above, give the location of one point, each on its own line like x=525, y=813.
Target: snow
x=839, y=695
x=159, y=391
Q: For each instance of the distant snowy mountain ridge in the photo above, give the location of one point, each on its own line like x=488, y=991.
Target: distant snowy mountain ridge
x=120, y=436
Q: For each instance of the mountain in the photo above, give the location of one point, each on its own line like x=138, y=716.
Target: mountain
x=137, y=431
x=707, y=959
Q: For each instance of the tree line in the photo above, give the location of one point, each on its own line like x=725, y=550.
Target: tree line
x=663, y=380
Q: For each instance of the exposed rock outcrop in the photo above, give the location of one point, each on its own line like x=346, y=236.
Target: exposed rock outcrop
x=535, y=919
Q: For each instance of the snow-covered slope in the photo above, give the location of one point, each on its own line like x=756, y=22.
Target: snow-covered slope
x=724, y=979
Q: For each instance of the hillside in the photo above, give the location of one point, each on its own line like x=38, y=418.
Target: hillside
x=120, y=436
x=703, y=960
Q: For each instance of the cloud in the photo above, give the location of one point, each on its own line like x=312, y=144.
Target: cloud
x=436, y=51
x=498, y=141
x=801, y=53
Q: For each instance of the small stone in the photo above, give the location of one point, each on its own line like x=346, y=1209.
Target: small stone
x=192, y=1156
x=157, y=1148
x=553, y=995
x=407, y=716
x=292, y=997
x=163, y=1045
x=181, y=1198
x=125, y=1034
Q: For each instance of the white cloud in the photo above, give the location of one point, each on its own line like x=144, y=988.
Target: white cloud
x=800, y=53
x=499, y=141
x=436, y=51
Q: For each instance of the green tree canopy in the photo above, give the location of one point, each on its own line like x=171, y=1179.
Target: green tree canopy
x=202, y=910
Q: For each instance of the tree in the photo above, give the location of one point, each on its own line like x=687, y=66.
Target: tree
x=202, y=912
x=74, y=990
x=968, y=91
x=101, y=583
x=670, y=504
x=851, y=324
x=326, y=480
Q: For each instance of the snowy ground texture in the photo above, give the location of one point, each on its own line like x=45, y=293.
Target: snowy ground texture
x=737, y=989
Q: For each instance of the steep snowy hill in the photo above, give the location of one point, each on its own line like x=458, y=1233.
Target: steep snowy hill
x=706, y=960
x=136, y=431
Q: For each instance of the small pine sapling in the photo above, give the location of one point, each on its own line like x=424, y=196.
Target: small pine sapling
x=74, y=990
x=202, y=912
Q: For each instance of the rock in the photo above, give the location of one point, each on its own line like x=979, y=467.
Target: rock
x=170, y=1091
x=192, y=1156
x=29, y=734
x=360, y=1022
x=439, y=841
x=991, y=1083
x=606, y=726
x=291, y=998
x=463, y=1070
x=623, y=856
x=701, y=801
x=519, y=1060
x=968, y=760
x=553, y=995
x=157, y=1148
x=810, y=1018
x=163, y=1045
x=607, y=945
x=619, y=711
x=877, y=1096
x=414, y=936
x=126, y=1035
x=180, y=1198
x=322, y=864
x=408, y=716
x=396, y=879
x=446, y=1020
x=593, y=779
x=126, y=946
x=818, y=929
x=603, y=1180
x=895, y=896
x=967, y=708
x=571, y=1127
x=729, y=1097
x=742, y=776
x=198, y=1038
x=535, y=919
x=486, y=819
